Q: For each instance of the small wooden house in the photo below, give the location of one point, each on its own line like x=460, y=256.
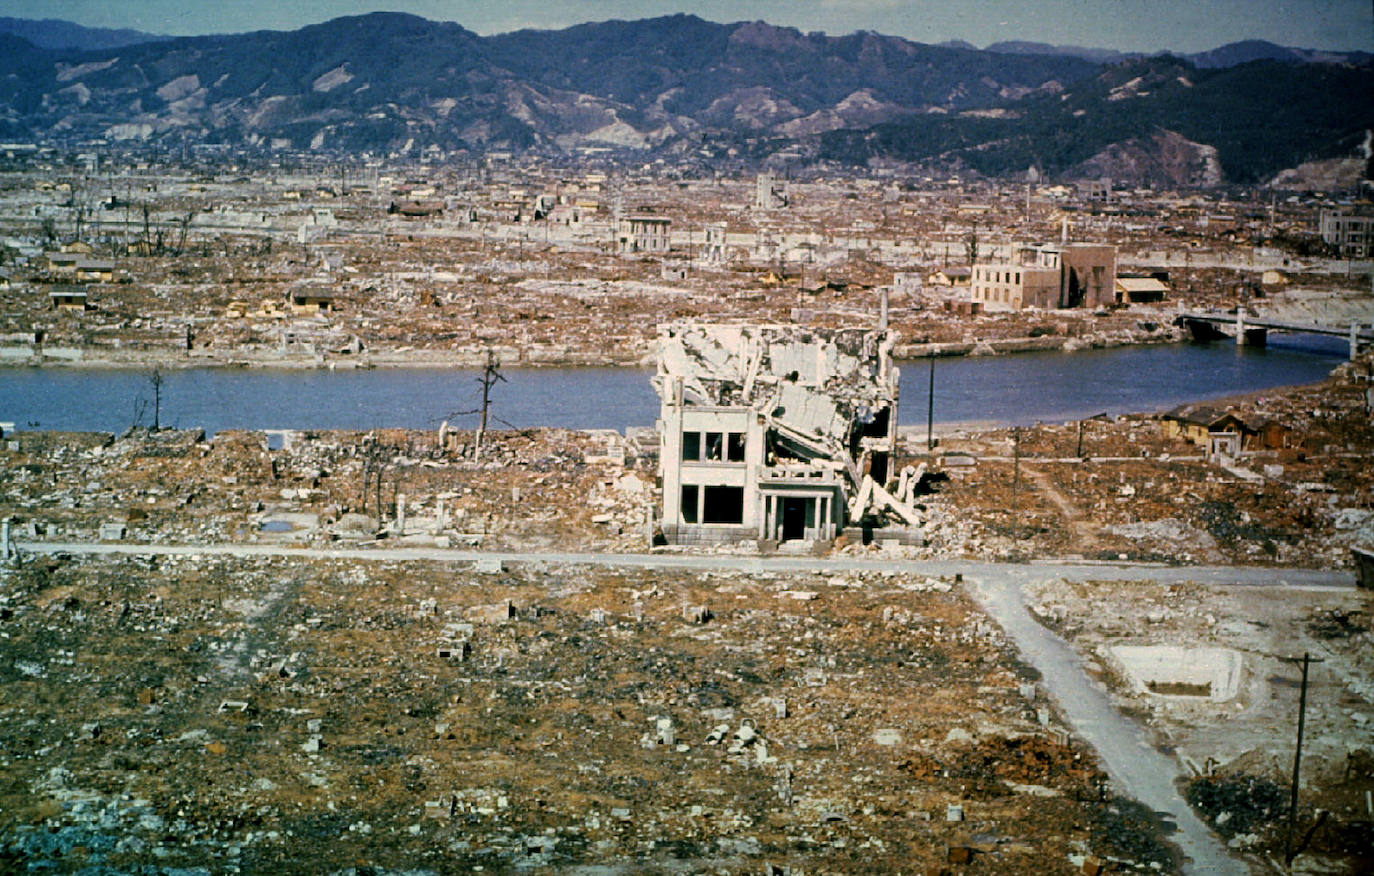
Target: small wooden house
x=69, y=298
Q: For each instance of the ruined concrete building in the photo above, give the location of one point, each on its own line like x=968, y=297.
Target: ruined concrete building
x=643, y=232
x=770, y=193
x=1048, y=276
x=775, y=431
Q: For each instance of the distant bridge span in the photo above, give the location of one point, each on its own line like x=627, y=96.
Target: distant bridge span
x=1254, y=330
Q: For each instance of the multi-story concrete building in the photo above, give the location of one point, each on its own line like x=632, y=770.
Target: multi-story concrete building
x=773, y=431
x=1351, y=233
x=642, y=232
x=770, y=193
x=1048, y=276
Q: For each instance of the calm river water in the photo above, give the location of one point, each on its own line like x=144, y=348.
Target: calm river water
x=1005, y=390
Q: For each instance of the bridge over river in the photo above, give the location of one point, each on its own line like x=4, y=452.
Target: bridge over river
x=1254, y=331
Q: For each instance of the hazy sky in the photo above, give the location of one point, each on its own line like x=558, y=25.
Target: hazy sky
x=1135, y=25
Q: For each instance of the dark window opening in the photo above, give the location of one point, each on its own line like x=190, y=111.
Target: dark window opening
x=722, y=505
x=877, y=468
x=715, y=446
x=691, y=446
x=689, y=504
x=735, y=449
x=877, y=426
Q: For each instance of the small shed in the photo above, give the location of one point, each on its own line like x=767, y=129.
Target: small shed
x=69, y=298
x=1140, y=290
x=95, y=270
x=951, y=277
x=310, y=300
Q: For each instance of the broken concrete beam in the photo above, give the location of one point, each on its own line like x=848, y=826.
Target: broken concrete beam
x=112, y=531
x=456, y=651
x=498, y=613
x=696, y=614
x=885, y=499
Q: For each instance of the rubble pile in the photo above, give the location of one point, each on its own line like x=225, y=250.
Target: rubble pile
x=259, y=714
x=213, y=262
x=1130, y=488
x=519, y=489
x=1223, y=689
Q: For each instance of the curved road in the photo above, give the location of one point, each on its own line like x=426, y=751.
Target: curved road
x=1134, y=765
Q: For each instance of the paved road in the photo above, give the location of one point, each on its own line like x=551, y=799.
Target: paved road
x=1243, y=576
x=1136, y=768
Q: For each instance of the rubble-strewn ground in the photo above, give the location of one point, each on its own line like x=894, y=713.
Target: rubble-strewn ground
x=255, y=715
x=206, y=256
x=1135, y=494
x=533, y=489
x=1240, y=748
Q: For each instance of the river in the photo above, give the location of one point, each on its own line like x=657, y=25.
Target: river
x=1003, y=390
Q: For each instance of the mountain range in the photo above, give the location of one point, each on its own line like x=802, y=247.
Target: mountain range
x=695, y=90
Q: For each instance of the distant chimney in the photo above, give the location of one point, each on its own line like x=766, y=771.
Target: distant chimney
x=1064, y=231
x=882, y=313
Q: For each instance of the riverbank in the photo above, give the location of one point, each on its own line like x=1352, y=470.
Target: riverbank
x=1001, y=390
x=635, y=356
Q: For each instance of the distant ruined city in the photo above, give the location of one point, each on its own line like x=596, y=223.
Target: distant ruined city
x=795, y=622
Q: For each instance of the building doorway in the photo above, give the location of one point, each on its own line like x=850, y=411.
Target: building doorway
x=796, y=515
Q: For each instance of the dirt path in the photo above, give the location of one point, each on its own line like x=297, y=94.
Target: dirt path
x=1084, y=530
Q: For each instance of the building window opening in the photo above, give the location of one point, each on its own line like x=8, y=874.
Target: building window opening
x=689, y=503
x=691, y=446
x=734, y=450
x=722, y=505
x=876, y=425
x=715, y=446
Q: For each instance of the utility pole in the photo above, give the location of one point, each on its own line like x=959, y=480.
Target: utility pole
x=930, y=406
x=1288, y=852
x=155, y=380
x=1015, y=469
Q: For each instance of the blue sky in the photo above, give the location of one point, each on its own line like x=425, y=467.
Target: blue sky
x=1133, y=25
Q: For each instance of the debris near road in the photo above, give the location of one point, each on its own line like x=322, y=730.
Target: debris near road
x=1235, y=805
x=1203, y=666
x=530, y=489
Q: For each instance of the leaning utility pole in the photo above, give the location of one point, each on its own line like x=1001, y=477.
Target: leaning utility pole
x=1288, y=852
x=1015, y=470
x=930, y=406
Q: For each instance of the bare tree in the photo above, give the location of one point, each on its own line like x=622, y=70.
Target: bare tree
x=377, y=459
x=183, y=225
x=491, y=375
